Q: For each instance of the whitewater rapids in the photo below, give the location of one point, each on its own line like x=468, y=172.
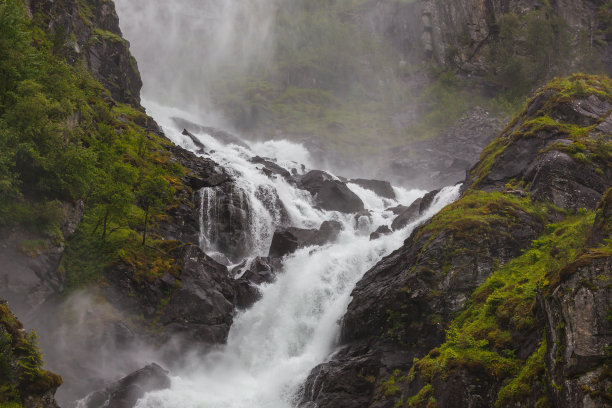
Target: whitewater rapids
x=273, y=346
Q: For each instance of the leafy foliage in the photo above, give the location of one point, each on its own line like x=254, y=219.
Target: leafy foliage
x=63, y=139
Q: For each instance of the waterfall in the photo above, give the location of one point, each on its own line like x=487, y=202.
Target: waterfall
x=273, y=346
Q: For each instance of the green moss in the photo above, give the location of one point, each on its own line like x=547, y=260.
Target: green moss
x=585, y=145
x=521, y=386
x=479, y=339
x=63, y=139
x=21, y=366
x=480, y=211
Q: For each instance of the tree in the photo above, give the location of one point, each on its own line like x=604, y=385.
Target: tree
x=154, y=193
x=113, y=195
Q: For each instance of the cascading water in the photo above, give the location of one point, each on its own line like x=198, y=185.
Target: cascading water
x=273, y=346
x=294, y=326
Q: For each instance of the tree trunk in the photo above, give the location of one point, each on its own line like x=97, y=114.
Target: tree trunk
x=104, y=225
x=144, y=233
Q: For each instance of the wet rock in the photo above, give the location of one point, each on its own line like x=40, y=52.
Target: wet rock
x=579, y=332
x=288, y=240
x=408, y=215
x=197, y=303
x=200, y=146
x=427, y=200
x=261, y=270
x=397, y=210
x=381, y=188
x=327, y=232
x=128, y=390
x=330, y=194
x=220, y=135
x=382, y=230
x=270, y=168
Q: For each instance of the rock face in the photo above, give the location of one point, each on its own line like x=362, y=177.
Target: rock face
x=29, y=274
x=197, y=304
x=444, y=160
x=260, y=270
x=547, y=157
x=22, y=379
x=330, y=194
x=579, y=333
x=125, y=392
x=99, y=43
x=287, y=240
x=402, y=307
x=381, y=188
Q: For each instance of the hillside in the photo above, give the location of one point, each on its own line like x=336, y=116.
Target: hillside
x=503, y=298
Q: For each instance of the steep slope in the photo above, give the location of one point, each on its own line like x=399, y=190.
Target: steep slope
x=93, y=196
x=23, y=381
x=450, y=318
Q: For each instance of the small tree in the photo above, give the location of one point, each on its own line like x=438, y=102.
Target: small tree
x=154, y=193
x=114, y=195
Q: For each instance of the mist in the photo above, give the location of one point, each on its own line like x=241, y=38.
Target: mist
x=321, y=73
x=184, y=47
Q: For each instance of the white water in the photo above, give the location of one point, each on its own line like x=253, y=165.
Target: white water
x=273, y=346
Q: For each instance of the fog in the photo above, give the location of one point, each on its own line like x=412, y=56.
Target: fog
x=184, y=47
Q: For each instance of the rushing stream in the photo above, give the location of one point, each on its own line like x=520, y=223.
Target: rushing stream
x=274, y=345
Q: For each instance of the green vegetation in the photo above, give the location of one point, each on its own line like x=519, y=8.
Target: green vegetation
x=479, y=210
x=585, y=145
x=63, y=139
x=333, y=80
x=21, y=372
x=480, y=339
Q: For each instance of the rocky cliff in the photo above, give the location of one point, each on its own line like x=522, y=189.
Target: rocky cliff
x=500, y=299
x=23, y=381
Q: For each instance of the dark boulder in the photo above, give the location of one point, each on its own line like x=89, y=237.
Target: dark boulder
x=195, y=140
x=397, y=210
x=128, y=390
x=382, y=230
x=288, y=240
x=327, y=232
x=408, y=215
x=260, y=270
x=270, y=168
x=382, y=188
x=197, y=303
x=427, y=200
x=330, y=194
x=220, y=135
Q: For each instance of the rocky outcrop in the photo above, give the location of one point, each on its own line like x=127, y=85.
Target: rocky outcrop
x=219, y=135
x=579, y=333
x=578, y=326
x=329, y=193
x=98, y=42
x=196, y=304
x=445, y=159
x=29, y=260
x=125, y=392
x=288, y=240
x=402, y=307
x=22, y=380
x=259, y=270
x=554, y=147
x=381, y=188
